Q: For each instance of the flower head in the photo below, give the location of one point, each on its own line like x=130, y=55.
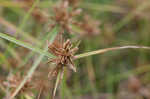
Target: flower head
x=13, y=81
x=63, y=16
x=64, y=56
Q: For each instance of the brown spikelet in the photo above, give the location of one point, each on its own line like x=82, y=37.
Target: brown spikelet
x=64, y=53
x=37, y=14
x=63, y=16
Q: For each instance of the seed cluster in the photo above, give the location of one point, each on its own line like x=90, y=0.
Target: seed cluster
x=64, y=16
x=65, y=54
x=67, y=16
x=13, y=82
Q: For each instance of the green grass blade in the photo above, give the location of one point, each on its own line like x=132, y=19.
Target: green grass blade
x=34, y=66
x=29, y=56
x=23, y=44
x=28, y=14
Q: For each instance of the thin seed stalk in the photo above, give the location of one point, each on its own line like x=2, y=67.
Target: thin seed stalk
x=58, y=79
x=109, y=49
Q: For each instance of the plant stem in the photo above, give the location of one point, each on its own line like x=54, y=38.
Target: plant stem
x=109, y=49
x=56, y=84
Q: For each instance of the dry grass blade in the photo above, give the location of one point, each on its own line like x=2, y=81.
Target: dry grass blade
x=109, y=49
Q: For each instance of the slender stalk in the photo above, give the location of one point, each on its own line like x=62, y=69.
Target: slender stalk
x=39, y=95
x=109, y=49
x=56, y=84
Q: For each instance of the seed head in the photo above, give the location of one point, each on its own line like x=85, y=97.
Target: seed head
x=13, y=81
x=64, y=15
x=64, y=56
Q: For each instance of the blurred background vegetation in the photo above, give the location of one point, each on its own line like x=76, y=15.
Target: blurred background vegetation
x=113, y=75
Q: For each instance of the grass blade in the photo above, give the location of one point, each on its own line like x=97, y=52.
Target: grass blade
x=23, y=44
x=109, y=49
x=34, y=66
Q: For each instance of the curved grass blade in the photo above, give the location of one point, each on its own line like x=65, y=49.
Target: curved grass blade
x=109, y=49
